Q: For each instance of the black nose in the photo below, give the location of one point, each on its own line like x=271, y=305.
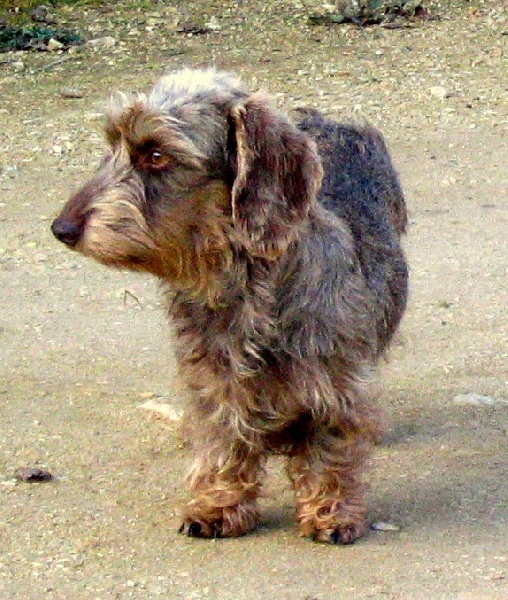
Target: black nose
x=66, y=231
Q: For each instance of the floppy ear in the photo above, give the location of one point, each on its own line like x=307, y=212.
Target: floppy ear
x=277, y=173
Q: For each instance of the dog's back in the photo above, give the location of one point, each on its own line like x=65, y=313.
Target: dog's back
x=360, y=184
x=361, y=187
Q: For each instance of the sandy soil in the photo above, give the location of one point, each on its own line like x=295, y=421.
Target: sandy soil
x=81, y=346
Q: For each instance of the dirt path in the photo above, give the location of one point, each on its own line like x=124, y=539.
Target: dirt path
x=81, y=346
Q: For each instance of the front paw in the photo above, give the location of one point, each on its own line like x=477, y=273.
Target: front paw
x=223, y=522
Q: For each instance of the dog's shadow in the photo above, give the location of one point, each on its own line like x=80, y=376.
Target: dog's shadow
x=426, y=475
x=444, y=469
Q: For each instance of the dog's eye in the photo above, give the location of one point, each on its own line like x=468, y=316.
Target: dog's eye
x=158, y=161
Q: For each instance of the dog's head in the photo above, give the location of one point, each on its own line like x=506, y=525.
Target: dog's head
x=196, y=171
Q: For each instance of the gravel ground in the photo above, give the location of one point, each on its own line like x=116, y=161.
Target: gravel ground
x=82, y=347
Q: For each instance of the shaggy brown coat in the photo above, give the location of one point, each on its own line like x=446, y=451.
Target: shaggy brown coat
x=278, y=243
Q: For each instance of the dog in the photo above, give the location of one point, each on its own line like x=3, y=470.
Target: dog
x=277, y=240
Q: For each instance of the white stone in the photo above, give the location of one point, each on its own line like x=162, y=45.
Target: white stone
x=439, y=92
x=473, y=399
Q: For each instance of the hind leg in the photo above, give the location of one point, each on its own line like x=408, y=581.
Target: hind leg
x=329, y=493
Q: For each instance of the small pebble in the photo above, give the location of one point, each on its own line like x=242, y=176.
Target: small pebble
x=54, y=45
x=31, y=475
x=103, y=42
x=384, y=526
x=163, y=409
x=39, y=14
x=439, y=92
x=192, y=27
x=71, y=93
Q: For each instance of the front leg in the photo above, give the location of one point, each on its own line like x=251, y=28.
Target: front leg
x=224, y=483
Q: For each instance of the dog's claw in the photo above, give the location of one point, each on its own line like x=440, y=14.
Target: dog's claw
x=191, y=529
x=337, y=539
x=342, y=538
x=195, y=530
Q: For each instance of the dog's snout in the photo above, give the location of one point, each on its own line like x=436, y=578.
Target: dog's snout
x=66, y=231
